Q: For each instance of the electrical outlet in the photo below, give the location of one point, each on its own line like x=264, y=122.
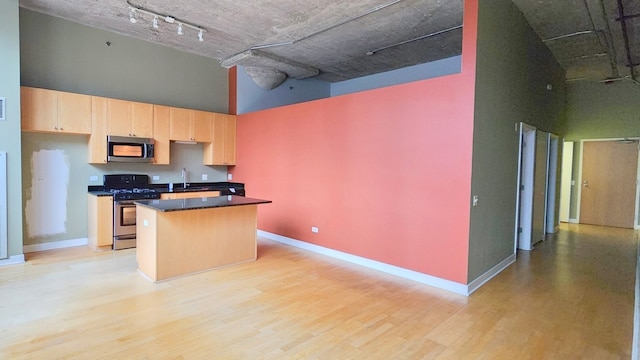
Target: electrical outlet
x=229, y=176
x=205, y=177
x=475, y=200
x=156, y=177
x=314, y=229
x=93, y=178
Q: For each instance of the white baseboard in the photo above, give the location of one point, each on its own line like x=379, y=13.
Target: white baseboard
x=437, y=282
x=574, y=221
x=12, y=260
x=54, y=245
x=480, y=280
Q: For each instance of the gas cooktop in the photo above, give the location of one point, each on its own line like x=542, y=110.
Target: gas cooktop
x=129, y=187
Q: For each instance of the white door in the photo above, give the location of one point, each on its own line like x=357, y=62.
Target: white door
x=539, y=187
x=552, y=181
x=524, y=196
x=3, y=206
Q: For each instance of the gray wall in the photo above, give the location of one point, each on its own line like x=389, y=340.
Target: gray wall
x=429, y=70
x=10, y=128
x=292, y=91
x=62, y=55
x=513, y=70
x=599, y=111
x=296, y=91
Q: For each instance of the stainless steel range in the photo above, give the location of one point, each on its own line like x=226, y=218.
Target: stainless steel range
x=126, y=189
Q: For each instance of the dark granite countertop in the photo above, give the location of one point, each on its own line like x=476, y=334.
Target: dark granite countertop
x=199, y=203
x=100, y=193
x=225, y=188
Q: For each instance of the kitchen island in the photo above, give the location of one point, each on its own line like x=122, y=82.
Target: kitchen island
x=186, y=236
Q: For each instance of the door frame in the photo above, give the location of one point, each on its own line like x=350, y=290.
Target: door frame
x=551, y=225
x=579, y=184
x=565, y=182
x=526, y=159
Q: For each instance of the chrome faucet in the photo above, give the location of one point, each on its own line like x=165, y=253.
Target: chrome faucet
x=184, y=178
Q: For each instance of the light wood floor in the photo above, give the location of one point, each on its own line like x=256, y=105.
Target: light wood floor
x=572, y=297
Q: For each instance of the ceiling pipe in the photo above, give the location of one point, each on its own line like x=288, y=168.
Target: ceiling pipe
x=368, y=12
x=415, y=39
x=625, y=35
x=607, y=36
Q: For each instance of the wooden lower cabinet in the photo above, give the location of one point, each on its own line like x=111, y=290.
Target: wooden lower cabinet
x=100, y=222
x=189, y=195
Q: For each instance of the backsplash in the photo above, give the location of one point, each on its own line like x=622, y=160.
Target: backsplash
x=38, y=177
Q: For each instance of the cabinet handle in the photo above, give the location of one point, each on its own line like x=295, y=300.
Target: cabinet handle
x=55, y=128
x=61, y=129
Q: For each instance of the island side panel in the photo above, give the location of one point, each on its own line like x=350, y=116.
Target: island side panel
x=146, y=248
x=197, y=240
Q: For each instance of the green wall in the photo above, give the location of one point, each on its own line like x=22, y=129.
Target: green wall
x=10, y=128
x=513, y=71
x=62, y=55
x=599, y=111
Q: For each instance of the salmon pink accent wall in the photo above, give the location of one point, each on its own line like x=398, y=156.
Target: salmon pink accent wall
x=233, y=90
x=384, y=174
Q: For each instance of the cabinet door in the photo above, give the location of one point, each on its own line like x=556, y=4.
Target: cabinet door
x=180, y=124
x=224, y=140
x=230, y=140
x=98, y=138
x=100, y=221
x=118, y=117
x=201, y=126
x=74, y=113
x=161, y=135
x=39, y=109
x=141, y=120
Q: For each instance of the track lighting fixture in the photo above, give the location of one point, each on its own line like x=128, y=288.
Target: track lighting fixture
x=134, y=11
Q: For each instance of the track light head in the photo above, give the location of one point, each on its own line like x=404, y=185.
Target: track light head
x=180, y=29
x=200, y=36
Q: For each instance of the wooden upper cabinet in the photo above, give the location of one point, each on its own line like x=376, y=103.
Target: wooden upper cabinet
x=55, y=111
x=161, y=135
x=190, y=125
x=223, y=149
x=128, y=118
x=201, y=126
x=98, y=138
x=180, y=124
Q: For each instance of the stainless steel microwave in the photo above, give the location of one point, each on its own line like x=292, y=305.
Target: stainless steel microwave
x=129, y=149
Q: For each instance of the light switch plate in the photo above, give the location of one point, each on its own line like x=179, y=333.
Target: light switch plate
x=205, y=177
x=229, y=177
x=156, y=177
x=93, y=178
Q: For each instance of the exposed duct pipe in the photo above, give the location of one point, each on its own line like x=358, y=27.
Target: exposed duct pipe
x=625, y=35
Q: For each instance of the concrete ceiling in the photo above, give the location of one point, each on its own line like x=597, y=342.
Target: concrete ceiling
x=587, y=37
x=339, y=40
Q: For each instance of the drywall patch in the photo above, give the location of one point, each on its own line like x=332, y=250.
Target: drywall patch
x=46, y=208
